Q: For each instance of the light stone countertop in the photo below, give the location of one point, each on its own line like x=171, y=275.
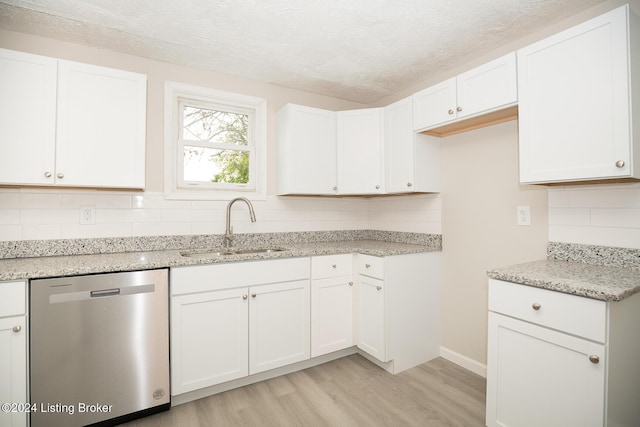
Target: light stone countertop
x=602, y=282
x=73, y=265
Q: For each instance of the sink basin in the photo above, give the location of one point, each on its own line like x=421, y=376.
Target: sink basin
x=227, y=252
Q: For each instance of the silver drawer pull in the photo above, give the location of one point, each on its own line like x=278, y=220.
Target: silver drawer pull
x=379, y=288
x=594, y=359
x=367, y=265
x=350, y=283
x=536, y=306
x=244, y=296
x=16, y=328
x=334, y=266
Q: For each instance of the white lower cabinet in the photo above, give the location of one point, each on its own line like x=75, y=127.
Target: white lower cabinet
x=232, y=320
x=13, y=353
x=279, y=331
x=372, y=318
x=556, y=359
x=332, y=289
x=210, y=339
x=398, y=308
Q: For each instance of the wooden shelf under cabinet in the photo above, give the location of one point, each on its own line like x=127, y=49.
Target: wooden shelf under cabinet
x=475, y=122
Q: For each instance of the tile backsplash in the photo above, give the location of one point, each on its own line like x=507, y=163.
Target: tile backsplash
x=44, y=214
x=605, y=215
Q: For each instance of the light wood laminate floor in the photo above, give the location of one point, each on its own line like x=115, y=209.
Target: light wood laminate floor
x=346, y=392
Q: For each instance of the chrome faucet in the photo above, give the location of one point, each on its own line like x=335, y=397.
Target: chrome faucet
x=228, y=233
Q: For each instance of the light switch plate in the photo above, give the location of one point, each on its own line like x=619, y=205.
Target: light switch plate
x=524, y=215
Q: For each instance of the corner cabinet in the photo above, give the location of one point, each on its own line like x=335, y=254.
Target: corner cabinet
x=489, y=87
x=13, y=352
x=557, y=359
x=576, y=94
x=91, y=123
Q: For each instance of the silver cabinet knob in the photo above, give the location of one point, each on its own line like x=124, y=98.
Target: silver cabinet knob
x=367, y=266
x=450, y=112
x=459, y=109
x=377, y=187
x=594, y=359
x=620, y=164
x=47, y=174
x=60, y=175
x=409, y=184
x=335, y=188
x=350, y=283
x=244, y=296
x=334, y=266
x=379, y=288
x=253, y=295
x=16, y=328
x=536, y=306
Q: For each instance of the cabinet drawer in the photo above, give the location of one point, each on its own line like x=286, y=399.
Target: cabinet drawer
x=331, y=266
x=372, y=266
x=572, y=314
x=12, y=298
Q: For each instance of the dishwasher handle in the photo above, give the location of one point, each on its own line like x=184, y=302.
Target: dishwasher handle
x=105, y=293
x=63, y=297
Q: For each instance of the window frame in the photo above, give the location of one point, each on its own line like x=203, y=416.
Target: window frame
x=179, y=94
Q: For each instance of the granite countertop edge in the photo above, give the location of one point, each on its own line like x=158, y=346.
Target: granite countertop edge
x=606, y=283
x=74, y=265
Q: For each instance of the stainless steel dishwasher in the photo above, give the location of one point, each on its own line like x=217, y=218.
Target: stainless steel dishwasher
x=99, y=348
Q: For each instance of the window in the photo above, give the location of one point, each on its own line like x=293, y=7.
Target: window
x=214, y=144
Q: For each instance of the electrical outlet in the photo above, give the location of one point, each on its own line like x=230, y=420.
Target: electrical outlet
x=87, y=215
x=524, y=215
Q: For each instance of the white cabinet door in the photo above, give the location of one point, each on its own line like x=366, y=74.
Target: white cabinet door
x=306, y=139
x=399, y=147
x=540, y=377
x=372, y=319
x=574, y=103
x=13, y=369
x=331, y=314
x=488, y=87
x=279, y=326
x=209, y=339
x=101, y=127
x=434, y=105
x=411, y=160
x=360, y=136
x=27, y=118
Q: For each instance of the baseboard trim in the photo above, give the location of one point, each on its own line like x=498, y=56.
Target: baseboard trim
x=464, y=361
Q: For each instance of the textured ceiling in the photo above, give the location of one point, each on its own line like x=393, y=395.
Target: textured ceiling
x=359, y=50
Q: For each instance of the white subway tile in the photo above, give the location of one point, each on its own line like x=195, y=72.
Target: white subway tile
x=618, y=218
x=569, y=216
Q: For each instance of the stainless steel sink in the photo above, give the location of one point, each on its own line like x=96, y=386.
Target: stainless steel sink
x=227, y=252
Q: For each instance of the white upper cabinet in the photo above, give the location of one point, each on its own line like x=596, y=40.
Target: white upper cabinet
x=360, y=136
x=306, y=139
x=576, y=90
x=411, y=160
x=27, y=118
x=69, y=124
x=489, y=87
x=101, y=126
